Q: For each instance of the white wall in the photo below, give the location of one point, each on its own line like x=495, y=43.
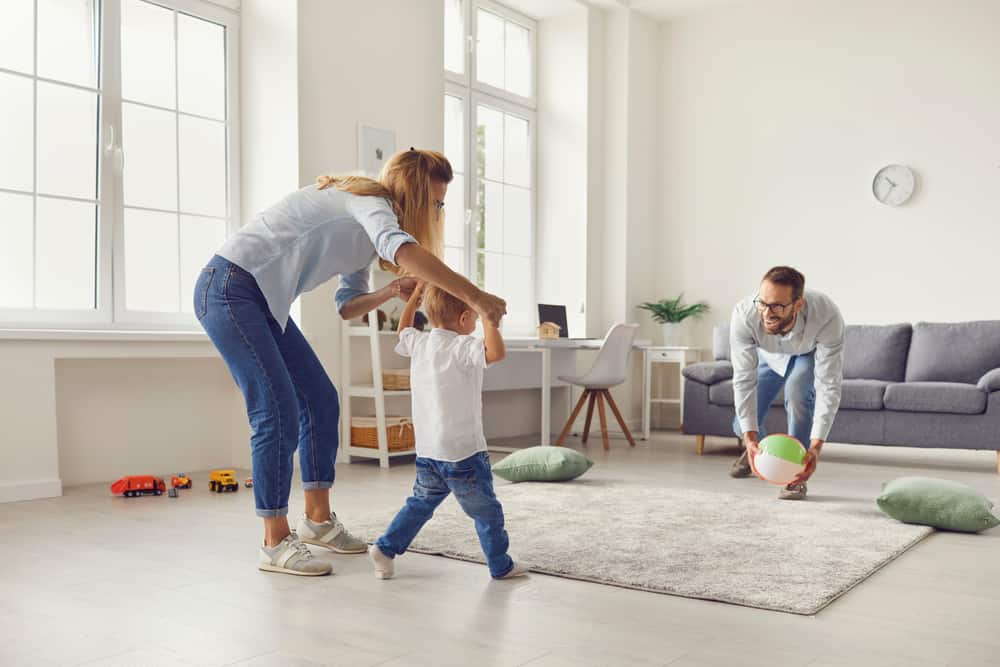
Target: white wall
x=775, y=117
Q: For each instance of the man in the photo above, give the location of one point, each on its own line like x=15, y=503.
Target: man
x=786, y=337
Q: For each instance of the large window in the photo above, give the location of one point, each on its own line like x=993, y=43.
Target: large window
x=489, y=111
x=118, y=179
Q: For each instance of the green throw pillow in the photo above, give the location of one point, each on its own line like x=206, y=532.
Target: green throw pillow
x=938, y=503
x=543, y=464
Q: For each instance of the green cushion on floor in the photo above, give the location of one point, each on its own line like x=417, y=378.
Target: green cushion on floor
x=542, y=464
x=938, y=503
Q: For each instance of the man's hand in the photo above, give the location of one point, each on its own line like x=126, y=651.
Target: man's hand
x=751, y=443
x=403, y=287
x=811, y=461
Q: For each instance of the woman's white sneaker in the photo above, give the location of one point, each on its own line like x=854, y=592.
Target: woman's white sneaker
x=291, y=556
x=330, y=534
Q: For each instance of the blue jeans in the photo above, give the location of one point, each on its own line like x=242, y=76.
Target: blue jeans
x=291, y=402
x=471, y=480
x=800, y=396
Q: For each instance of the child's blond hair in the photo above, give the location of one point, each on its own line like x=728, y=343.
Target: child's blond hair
x=442, y=307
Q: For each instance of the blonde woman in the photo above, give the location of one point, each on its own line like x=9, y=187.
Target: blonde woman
x=242, y=299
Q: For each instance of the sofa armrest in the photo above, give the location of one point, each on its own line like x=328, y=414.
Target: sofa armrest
x=709, y=372
x=990, y=381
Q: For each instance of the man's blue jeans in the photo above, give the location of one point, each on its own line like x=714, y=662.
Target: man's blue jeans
x=471, y=480
x=290, y=400
x=800, y=396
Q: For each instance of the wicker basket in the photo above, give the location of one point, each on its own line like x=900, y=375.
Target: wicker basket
x=396, y=379
x=399, y=433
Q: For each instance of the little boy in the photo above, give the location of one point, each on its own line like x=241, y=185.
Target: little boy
x=446, y=381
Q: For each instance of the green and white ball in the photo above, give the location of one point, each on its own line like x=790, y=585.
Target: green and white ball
x=781, y=459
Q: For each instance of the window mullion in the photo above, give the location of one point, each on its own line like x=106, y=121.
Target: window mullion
x=110, y=212
x=34, y=167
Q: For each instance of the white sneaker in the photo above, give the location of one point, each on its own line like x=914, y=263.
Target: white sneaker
x=330, y=534
x=290, y=556
x=518, y=570
x=385, y=567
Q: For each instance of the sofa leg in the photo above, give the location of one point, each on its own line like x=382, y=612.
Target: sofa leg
x=700, y=445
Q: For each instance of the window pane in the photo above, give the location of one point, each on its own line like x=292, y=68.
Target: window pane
x=148, y=54
x=491, y=272
x=454, y=212
x=66, y=274
x=516, y=220
x=203, y=166
x=489, y=136
x=201, y=67
x=17, y=165
x=489, y=48
x=454, y=36
x=454, y=130
x=151, y=273
x=17, y=36
x=518, y=60
x=67, y=141
x=517, y=290
x=455, y=258
x=200, y=238
x=517, y=163
x=67, y=41
x=16, y=251
x=149, y=137
x=491, y=218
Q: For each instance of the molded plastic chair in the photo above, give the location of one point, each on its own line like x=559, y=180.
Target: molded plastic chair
x=609, y=370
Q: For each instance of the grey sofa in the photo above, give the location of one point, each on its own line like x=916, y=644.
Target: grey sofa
x=926, y=385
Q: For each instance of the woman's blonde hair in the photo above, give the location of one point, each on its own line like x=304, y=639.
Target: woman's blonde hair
x=405, y=181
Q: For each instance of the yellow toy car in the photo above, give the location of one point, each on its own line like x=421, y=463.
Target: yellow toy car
x=221, y=481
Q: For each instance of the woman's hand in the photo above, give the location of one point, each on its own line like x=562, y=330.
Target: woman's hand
x=403, y=288
x=491, y=308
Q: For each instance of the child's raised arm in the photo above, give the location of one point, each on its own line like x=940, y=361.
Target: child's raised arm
x=410, y=310
x=495, y=349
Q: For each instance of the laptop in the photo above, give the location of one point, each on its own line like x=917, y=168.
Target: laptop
x=557, y=315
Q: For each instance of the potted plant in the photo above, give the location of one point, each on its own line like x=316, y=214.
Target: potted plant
x=670, y=313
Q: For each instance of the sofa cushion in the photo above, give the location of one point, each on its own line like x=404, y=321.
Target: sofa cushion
x=874, y=352
x=722, y=394
x=960, y=352
x=947, y=397
x=863, y=395
x=720, y=342
x=709, y=372
x=937, y=502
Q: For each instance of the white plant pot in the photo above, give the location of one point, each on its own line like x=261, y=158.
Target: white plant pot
x=674, y=334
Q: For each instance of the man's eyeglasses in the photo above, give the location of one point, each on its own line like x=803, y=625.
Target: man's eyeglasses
x=438, y=204
x=776, y=308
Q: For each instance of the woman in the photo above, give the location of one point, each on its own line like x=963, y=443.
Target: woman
x=242, y=299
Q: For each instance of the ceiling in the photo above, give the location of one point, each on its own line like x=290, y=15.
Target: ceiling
x=659, y=10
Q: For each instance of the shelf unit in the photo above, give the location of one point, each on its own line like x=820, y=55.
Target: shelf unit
x=375, y=392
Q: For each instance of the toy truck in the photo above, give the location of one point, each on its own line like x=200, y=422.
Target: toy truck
x=221, y=481
x=139, y=485
x=180, y=481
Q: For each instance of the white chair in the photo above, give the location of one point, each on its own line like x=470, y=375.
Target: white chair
x=609, y=370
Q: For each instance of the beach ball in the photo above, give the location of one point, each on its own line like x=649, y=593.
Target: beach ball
x=781, y=459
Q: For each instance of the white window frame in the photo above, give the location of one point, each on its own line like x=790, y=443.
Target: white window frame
x=473, y=93
x=110, y=313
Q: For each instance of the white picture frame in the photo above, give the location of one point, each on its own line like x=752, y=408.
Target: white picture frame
x=375, y=146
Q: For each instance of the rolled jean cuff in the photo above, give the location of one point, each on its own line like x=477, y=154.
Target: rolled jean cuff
x=270, y=514
x=312, y=486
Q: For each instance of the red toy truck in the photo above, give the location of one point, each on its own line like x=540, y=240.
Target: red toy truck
x=139, y=485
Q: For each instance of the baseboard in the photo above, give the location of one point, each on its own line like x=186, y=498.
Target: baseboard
x=12, y=492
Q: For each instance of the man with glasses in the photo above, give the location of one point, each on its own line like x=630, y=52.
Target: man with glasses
x=786, y=337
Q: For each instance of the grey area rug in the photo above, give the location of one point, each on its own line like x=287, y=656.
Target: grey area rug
x=794, y=557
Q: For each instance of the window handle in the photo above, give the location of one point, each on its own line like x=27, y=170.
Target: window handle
x=115, y=148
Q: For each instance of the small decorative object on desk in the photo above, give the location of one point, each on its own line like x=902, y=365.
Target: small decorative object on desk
x=419, y=321
x=399, y=432
x=671, y=313
x=382, y=319
x=548, y=330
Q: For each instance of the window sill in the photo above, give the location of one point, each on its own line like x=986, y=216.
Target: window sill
x=120, y=336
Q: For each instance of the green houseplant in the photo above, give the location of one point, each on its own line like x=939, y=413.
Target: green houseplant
x=670, y=313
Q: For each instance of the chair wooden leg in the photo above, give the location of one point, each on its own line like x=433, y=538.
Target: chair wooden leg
x=618, y=416
x=604, y=420
x=590, y=415
x=700, y=444
x=572, y=418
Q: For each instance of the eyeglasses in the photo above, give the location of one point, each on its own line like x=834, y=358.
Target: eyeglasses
x=776, y=308
x=438, y=204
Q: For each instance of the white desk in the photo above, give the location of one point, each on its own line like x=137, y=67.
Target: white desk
x=664, y=355
x=533, y=363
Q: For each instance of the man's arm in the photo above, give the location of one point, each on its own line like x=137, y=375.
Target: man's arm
x=495, y=348
x=743, y=352
x=410, y=310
